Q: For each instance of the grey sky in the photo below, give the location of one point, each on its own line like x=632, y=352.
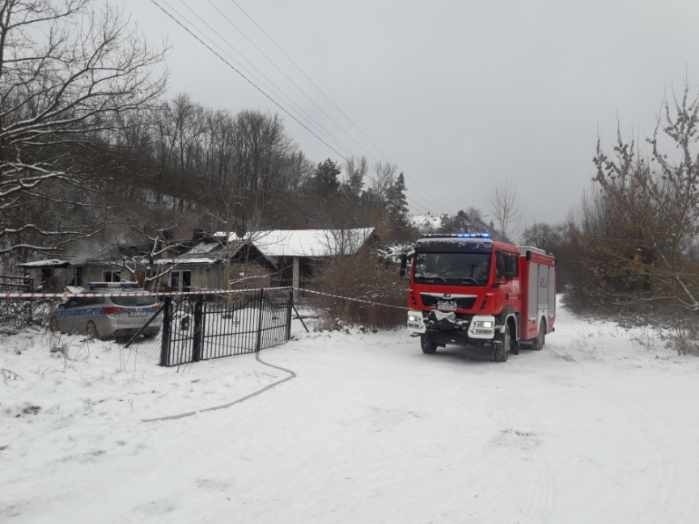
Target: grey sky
x=462, y=95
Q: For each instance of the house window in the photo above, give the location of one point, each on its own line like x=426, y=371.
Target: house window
x=112, y=276
x=77, y=278
x=181, y=280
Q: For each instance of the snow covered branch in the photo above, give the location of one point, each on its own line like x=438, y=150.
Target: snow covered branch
x=67, y=74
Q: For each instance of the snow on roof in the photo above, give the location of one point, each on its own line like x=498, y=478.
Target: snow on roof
x=197, y=255
x=49, y=262
x=186, y=260
x=428, y=222
x=308, y=242
x=202, y=248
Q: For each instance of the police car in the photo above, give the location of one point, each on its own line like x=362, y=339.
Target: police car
x=107, y=316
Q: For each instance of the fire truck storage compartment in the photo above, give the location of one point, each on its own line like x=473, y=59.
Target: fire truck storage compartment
x=541, y=294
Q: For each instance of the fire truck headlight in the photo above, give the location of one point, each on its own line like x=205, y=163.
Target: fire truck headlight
x=482, y=327
x=415, y=321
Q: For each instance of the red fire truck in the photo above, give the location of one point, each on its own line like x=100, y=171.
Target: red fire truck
x=471, y=289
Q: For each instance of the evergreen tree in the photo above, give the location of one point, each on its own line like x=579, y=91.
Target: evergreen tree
x=397, y=202
x=325, y=179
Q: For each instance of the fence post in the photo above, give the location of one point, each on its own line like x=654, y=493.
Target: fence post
x=198, y=329
x=258, y=344
x=167, y=330
x=289, y=307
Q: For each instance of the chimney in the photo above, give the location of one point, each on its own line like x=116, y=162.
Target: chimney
x=198, y=234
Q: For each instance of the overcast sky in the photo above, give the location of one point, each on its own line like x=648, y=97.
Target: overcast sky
x=462, y=95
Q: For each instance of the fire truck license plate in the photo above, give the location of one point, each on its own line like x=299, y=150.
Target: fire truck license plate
x=446, y=305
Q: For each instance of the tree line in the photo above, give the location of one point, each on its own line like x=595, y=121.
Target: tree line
x=90, y=149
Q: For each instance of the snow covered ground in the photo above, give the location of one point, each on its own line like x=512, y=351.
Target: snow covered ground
x=601, y=426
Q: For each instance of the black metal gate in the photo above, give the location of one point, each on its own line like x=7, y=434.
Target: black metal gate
x=205, y=327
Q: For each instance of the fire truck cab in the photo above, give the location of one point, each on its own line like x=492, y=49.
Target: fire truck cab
x=470, y=289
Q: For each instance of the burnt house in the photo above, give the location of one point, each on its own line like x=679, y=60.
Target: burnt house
x=217, y=264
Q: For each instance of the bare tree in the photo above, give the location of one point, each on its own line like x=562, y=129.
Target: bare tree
x=357, y=169
x=65, y=71
x=639, y=227
x=504, y=209
x=384, y=176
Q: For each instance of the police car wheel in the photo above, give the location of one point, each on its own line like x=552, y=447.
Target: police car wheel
x=427, y=344
x=91, y=330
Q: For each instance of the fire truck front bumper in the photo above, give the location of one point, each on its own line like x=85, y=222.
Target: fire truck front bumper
x=452, y=327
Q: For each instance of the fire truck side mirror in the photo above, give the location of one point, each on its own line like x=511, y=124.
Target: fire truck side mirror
x=403, y=265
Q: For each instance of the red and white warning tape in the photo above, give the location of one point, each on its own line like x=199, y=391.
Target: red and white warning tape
x=351, y=299
x=207, y=292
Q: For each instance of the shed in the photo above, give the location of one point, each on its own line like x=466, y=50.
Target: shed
x=296, y=252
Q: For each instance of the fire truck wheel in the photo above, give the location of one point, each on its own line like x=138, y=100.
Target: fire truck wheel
x=540, y=340
x=427, y=344
x=503, y=348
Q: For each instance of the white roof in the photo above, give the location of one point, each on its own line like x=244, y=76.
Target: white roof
x=428, y=222
x=203, y=247
x=184, y=260
x=307, y=242
x=49, y=262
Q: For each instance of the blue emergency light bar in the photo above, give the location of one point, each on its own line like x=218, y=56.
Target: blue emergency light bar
x=485, y=236
x=473, y=235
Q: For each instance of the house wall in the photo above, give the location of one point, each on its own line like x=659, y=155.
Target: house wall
x=202, y=276
x=247, y=276
x=95, y=273
x=208, y=276
x=212, y=276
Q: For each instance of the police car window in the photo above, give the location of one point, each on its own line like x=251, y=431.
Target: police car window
x=87, y=301
x=134, y=301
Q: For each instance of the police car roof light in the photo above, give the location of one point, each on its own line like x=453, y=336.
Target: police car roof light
x=113, y=285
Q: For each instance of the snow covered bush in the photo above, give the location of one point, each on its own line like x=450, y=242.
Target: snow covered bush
x=17, y=314
x=684, y=337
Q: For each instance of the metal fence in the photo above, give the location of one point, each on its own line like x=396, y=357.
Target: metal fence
x=9, y=283
x=206, y=327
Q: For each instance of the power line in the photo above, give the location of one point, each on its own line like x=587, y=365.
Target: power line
x=248, y=79
x=284, y=73
x=307, y=76
x=310, y=79
x=279, y=92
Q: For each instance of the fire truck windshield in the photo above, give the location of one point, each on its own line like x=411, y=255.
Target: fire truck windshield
x=470, y=269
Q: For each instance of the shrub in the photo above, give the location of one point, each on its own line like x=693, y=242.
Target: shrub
x=363, y=276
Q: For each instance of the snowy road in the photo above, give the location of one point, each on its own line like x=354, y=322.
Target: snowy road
x=598, y=427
